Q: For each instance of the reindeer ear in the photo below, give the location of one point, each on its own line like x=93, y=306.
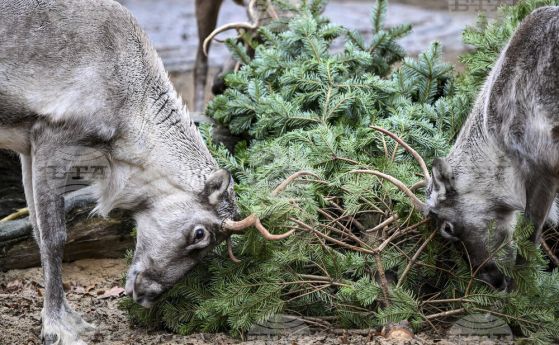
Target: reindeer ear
x=216, y=186
x=443, y=178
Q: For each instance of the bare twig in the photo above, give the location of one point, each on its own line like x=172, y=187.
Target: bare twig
x=281, y=187
x=350, y=235
x=445, y=301
x=357, y=223
x=18, y=214
x=414, y=258
x=549, y=252
x=394, y=152
x=383, y=281
x=445, y=314
x=384, y=147
x=347, y=160
x=386, y=222
x=330, y=239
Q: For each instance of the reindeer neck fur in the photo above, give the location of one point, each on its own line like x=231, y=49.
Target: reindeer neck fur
x=160, y=154
x=480, y=166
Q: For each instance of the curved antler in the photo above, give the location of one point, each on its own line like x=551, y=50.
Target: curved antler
x=416, y=201
x=238, y=227
x=408, y=148
x=253, y=220
x=236, y=25
x=230, y=251
x=239, y=25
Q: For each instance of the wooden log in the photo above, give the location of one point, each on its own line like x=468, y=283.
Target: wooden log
x=88, y=236
x=11, y=190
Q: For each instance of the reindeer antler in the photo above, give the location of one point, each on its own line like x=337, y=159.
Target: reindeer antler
x=416, y=201
x=409, y=192
x=236, y=227
x=253, y=220
x=408, y=148
x=236, y=25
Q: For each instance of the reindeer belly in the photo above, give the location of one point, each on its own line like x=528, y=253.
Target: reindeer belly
x=15, y=122
x=15, y=139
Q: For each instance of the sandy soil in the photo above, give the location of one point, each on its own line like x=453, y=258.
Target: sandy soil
x=93, y=288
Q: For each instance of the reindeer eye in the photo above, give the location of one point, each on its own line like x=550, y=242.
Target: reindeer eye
x=199, y=234
x=447, y=231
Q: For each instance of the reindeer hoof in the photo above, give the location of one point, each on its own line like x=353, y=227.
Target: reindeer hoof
x=76, y=322
x=61, y=332
x=50, y=339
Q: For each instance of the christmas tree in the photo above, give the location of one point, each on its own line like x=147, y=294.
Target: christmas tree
x=361, y=256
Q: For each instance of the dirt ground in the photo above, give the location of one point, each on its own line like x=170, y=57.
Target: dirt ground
x=93, y=289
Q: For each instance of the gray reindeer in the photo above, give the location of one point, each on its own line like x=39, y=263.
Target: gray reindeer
x=78, y=74
x=506, y=157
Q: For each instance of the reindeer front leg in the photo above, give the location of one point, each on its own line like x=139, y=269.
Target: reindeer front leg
x=61, y=325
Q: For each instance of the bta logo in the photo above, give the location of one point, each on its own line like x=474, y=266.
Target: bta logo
x=78, y=172
x=475, y=6
x=76, y=167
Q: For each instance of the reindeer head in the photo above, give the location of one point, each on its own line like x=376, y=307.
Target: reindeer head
x=461, y=212
x=464, y=210
x=176, y=231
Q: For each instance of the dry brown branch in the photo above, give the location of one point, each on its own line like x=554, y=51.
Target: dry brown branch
x=549, y=252
x=316, y=289
x=309, y=228
x=386, y=242
x=384, y=147
x=445, y=314
x=445, y=301
x=347, y=160
x=393, y=158
x=383, y=281
x=281, y=187
x=386, y=222
x=349, y=235
x=357, y=223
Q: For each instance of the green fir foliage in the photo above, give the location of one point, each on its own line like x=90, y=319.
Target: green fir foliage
x=308, y=107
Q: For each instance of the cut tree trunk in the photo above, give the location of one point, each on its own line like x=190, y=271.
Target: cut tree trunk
x=11, y=190
x=88, y=236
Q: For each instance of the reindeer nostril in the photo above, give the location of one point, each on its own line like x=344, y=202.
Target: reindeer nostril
x=491, y=275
